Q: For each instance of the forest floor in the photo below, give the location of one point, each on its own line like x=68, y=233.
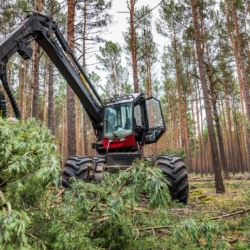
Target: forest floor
x=209, y=220
x=230, y=211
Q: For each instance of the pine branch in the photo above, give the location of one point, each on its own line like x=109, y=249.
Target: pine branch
x=138, y=19
x=103, y=219
x=22, y=156
x=6, y=203
x=153, y=228
x=229, y=215
x=124, y=182
x=60, y=193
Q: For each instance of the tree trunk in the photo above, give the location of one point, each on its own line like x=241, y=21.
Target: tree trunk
x=227, y=120
x=148, y=65
x=203, y=146
x=221, y=144
x=240, y=166
x=20, y=85
x=24, y=93
x=51, y=108
x=35, y=104
x=213, y=145
x=78, y=124
x=45, y=97
x=133, y=45
x=187, y=140
x=64, y=136
x=199, y=163
x=85, y=129
x=178, y=83
x=9, y=74
x=84, y=115
x=217, y=122
x=71, y=116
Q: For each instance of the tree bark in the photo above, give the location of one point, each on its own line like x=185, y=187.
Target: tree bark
x=71, y=113
x=238, y=146
x=51, y=108
x=194, y=163
x=178, y=83
x=217, y=122
x=45, y=96
x=84, y=65
x=24, y=91
x=220, y=140
x=35, y=104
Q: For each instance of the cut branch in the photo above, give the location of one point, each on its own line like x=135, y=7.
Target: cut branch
x=229, y=215
x=152, y=228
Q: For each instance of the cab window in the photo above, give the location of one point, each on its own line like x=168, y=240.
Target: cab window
x=118, y=120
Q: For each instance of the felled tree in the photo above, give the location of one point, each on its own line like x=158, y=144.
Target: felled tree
x=29, y=164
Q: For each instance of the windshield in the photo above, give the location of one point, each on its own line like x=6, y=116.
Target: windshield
x=118, y=120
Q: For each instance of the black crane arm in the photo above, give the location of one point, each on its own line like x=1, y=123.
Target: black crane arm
x=41, y=28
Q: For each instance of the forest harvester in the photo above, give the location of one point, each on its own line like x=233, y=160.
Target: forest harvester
x=122, y=124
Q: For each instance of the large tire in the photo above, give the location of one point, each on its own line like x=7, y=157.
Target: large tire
x=175, y=172
x=99, y=159
x=79, y=167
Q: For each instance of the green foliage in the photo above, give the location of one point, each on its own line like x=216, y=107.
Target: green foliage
x=241, y=246
x=197, y=233
x=110, y=60
x=96, y=216
x=107, y=210
x=28, y=158
x=29, y=164
x=12, y=227
x=128, y=210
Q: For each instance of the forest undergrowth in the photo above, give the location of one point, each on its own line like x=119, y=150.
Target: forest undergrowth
x=130, y=210
x=229, y=213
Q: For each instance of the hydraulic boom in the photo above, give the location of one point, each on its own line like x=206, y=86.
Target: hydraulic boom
x=46, y=33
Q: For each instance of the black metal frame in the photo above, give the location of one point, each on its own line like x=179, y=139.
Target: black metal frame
x=160, y=129
x=3, y=106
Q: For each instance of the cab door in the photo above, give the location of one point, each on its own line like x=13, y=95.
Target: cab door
x=155, y=121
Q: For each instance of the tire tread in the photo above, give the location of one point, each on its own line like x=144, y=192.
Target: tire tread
x=174, y=170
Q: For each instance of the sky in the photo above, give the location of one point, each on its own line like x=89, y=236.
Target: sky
x=121, y=24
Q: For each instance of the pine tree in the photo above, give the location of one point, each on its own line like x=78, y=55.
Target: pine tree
x=71, y=113
x=110, y=59
x=35, y=84
x=131, y=40
x=51, y=109
x=147, y=49
x=213, y=145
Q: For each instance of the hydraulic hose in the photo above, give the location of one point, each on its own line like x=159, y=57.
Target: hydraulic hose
x=3, y=109
x=9, y=93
